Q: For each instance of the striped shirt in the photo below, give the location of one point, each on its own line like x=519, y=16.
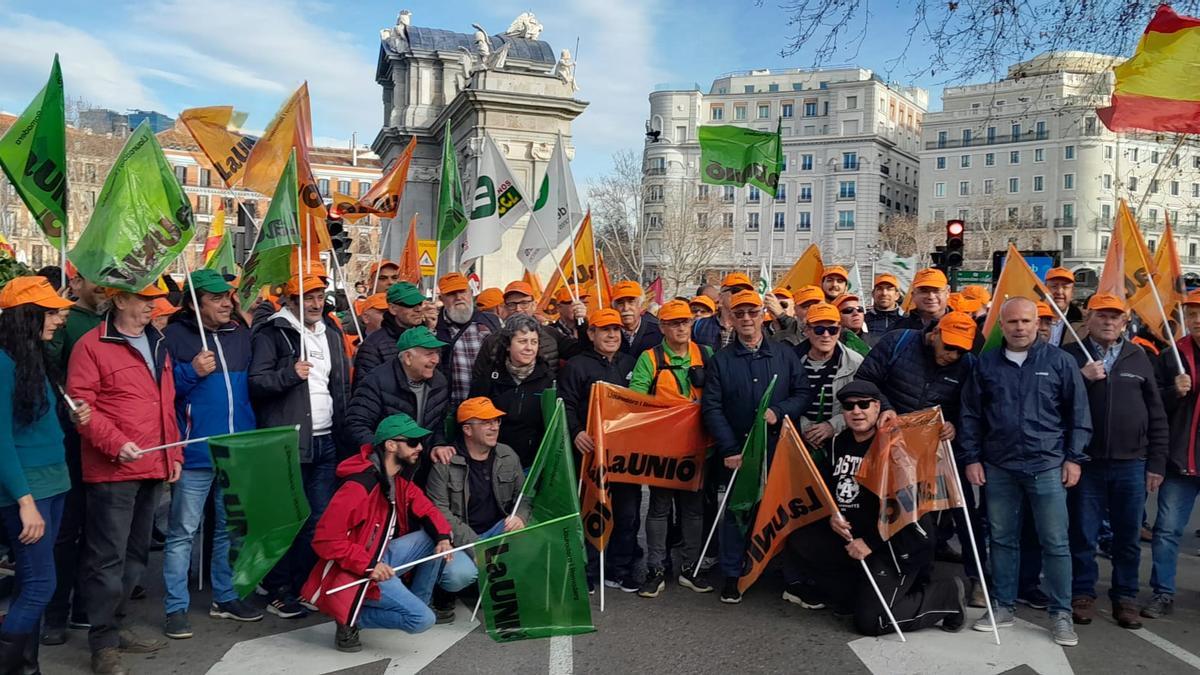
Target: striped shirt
x=820, y=383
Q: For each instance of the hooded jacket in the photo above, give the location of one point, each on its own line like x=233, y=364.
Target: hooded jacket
x=385, y=392
x=366, y=513
x=218, y=403
x=378, y=349
x=450, y=489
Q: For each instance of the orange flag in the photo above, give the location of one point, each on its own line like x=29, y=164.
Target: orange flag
x=1168, y=279
x=215, y=129
x=1016, y=280
x=594, y=508
x=383, y=199
x=908, y=467
x=806, y=271
x=587, y=274
x=535, y=283
x=795, y=496
x=649, y=440
x=1112, y=277
x=410, y=258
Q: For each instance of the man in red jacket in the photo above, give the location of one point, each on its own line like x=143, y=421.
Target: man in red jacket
x=121, y=369
x=376, y=521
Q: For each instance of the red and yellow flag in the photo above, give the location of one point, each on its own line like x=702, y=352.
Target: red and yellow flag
x=795, y=496
x=383, y=199
x=806, y=271
x=1157, y=89
x=585, y=270
x=216, y=232
x=410, y=257
x=215, y=129
x=649, y=440
x=1017, y=280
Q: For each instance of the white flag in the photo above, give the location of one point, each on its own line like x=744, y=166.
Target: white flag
x=764, y=278
x=497, y=203
x=854, y=284
x=555, y=211
x=902, y=268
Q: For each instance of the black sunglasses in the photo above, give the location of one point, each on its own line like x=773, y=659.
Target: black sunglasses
x=826, y=330
x=410, y=442
x=861, y=405
x=853, y=310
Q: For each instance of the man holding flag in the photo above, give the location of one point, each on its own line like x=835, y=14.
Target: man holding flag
x=1061, y=284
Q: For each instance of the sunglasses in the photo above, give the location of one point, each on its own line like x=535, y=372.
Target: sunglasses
x=410, y=442
x=853, y=310
x=743, y=313
x=826, y=330
x=861, y=405
x=956, y=350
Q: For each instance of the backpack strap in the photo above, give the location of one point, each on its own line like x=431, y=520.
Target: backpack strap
x=899, y=343
x=660, y=358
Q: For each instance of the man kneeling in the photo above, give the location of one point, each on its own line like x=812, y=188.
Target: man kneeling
x=378, y=520
x=901, y=566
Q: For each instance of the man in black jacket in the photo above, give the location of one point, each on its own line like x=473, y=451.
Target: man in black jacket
x=639, y=330
x=1128, y=457
x=463, y=328
x=885, y=304
x=604, y=362
x=300, y=376
x=736, y=379
x=930, y=299
x=409, y=383
x=406, y=308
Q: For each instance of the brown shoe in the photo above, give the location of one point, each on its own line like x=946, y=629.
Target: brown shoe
x=1083, y=609
x=107, y=661
x=1126, y=614
x=132, y=643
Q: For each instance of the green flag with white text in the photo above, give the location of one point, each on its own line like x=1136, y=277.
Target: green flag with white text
x=142, y=221
x=747, y=487
x=731, y=155
x=452, y=215
x=263, y=494
x=33, y=155
x=270, y=262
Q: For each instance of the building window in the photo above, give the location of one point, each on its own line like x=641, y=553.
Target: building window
x=989, y=159
x=780, y=224
x=964, y=188
x=1068, y=245
x=702, y=192
x=727, y=194
x=1133, y=183
x=783, y=163
x=991, y=135
x=1175, y=188
x=344, y=187
x=1104, y=239
x=1108, y=183
x=1196, y=190
x=772, y=87
x=89, y=172
x=205, y=178
x=1014, y=157
x=850, y=161
x=852, y=103
x=1069, y=152
x=702, y=221
x=966, y=138
x=1016, y=132
x=323, y=186
x=681, y=134
x=1014, y=214
x=1133, y=154
x=939, y=189
x=803, y=221
x=655, y=193
x=1108, y=153
x=1154, y=186
x=752, y=222
x=739, y=112
x=810, y=109
x=653, y=222
x=781, y=192
x=806, y=192
x=1068, y=214
x=754, y=195
x=1105, y=212
x=845, y=220
x=1068, y=181
x=1040, y=133
x=363, y=188
x=786, y=110
x=806, y=162
x=1014, y=185
x=988, y=186
x=1039, y=183
x=748, y=89
x=181, y=174
x=727, y=220
x=1154, y=157
x=964, y=162
x=846, y=189
x=764, y=112
x=202, y=204
x=940, y=163
x=717, y=112
x=942, y=138
x=1039, y=155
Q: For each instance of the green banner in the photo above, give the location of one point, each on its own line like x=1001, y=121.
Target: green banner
x=732, y=155
x=33, y=155
x=142, y=221
x=551, y=484
x=854, y=342
x=533, y=582
x=222, y=259
x=452, y=215
x=263, y=492
x=270, y=262
x=747, y=488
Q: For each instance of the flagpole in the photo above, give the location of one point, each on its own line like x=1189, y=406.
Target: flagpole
x=414, y=563
x=1067, y=324
x=717, y=520
x=164, y=446
x=887, y=609
x=1166, y=324
x=62, y=239
x=337, y=268
x=557, y=264
x=379, y=258
x=195, y=302
x=300, y=309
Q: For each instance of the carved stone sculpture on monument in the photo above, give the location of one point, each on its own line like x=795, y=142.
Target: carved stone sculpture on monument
x=565, y=69
x=525, y=26
x=396, y=36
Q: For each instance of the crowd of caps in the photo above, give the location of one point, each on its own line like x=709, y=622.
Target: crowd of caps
x=415, y=436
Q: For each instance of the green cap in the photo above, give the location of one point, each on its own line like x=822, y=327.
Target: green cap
x=404, y=293
x=210, y=281
x=418, y=337
x=398, y=426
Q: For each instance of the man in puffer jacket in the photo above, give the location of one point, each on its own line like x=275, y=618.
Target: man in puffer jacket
x=377, y=521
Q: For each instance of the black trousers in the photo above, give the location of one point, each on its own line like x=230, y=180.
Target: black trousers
x=916, y=600
x=70, y=543
x=119, y=520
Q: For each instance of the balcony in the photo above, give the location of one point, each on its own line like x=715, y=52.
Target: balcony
x=999, y=139
x=656, y=171
x=1066, y=222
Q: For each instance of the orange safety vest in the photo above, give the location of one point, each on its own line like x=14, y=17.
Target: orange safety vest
x=668, y=386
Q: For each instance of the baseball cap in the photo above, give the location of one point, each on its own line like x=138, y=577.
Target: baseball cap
x=736, y=280
x=162, y=307
x=847, y=297
x=376, y=266
x=959, y=302
x=404, y=293
x=398, y=426
x=836, y=271
x=312, y=282
x=418, y=336
x=377, y=301
x=858, y=389
x=704, y=301
x=604, y=317
x=150, y=291
x=1192, y=298
x=489, y=299
x=453, y=283
x=564, y=294
x=1060, y=274
x=1044, y=311
x=977, y=292
x=480, y=407
x=782, y=292
x=31, y=290
x=518, y=287
x=674, y=310
x=626, y=289
x=958, y=330
x=806, y=294
x=745, y=298
x=1106, y=301
x=823, y=311
x=208, y=281
x=930, y=278
x=887, y=279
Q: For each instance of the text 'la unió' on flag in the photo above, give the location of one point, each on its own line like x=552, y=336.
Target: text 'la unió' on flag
x=732, y=155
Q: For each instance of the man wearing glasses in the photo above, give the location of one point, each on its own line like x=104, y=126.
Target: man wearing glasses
x=829, y=366
x=853, y=317
x=931, y=295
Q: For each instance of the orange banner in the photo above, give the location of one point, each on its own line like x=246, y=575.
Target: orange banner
x=215, y=131
x=535, y=283
x=648, y=440
x=410, y=258
x=585, y=270
x=795, y=496
x=594, y=508
x=383, y=199
x=806, y=271
x=1168, y=279
x=909, y=468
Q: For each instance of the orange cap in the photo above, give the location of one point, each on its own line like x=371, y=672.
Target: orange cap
x=782, y=292
x=452, y=283
x=887, y=279
x=845, y=297
x=1044, y=311
x=31, y=291
x=958, y=330
x=823, y=311
x=979, y=293
x=930, y=278
x=375, y=267
x=626, y=289
x=564, y=294
x=806, y=294
x=377, y=301
x=745, y=298
x=1060, y=274
x=674, y=310
x=311, y=282
x=1192, y=298
x=1106, y=301
x=704, y=300
x=836, y=271
x=489, y=299
x=959, y=302
x=519, y=287
x=736, y=280
x=162, y=307
x=478, y=408
x=150, y=291
x=604, y=317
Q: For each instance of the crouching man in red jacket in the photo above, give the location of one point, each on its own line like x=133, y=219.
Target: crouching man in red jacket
x=378, y=520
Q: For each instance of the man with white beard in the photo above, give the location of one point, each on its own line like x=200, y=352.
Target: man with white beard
x=463, y=328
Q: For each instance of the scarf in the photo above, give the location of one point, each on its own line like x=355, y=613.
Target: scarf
x=519, y=373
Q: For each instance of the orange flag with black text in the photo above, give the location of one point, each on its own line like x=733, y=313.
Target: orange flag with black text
x=215, y=129
x=410, y=257
x=649, y=440
x=585, y=271
x=1168, y=279
x=806, y=271
x=594, y=508
x=383, y=199
x=795, y=496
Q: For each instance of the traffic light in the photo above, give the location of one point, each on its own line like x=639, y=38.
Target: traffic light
x=340, y=239
x=954, y=244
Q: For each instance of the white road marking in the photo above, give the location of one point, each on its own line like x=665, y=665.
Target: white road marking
x=562, y=659
x=311, y=650
x=1169, y=647
x=935, y=652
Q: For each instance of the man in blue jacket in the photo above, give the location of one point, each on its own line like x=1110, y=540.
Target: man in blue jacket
x=1025, y=425
x=212, y=396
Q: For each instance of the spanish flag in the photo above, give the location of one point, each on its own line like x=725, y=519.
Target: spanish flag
x=1157, y=89
x=1016, y=280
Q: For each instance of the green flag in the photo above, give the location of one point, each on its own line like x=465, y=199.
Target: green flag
x=856, y=343
x=452, y=215
x=747, y=489
x=732, y=155
x=222, y=259
x=259, y=475
x=551, y=484
x=142, y=221
x=533, y=582
x=33, y=155
x=270, y=262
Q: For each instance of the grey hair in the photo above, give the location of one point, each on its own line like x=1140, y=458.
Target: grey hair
x=520, y=323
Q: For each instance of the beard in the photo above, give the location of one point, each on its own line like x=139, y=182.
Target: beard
x=459, y=313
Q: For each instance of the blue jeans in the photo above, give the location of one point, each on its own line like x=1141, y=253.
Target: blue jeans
x=320, y=481
x=34, y=565
x=1176, y=498
x=1048, y=501
x=407, y=607
x=1113, y=489
x=188, y=496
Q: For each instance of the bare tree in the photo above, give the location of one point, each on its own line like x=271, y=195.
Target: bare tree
x=900, y=235
x=617, y=200
x=686, y=240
